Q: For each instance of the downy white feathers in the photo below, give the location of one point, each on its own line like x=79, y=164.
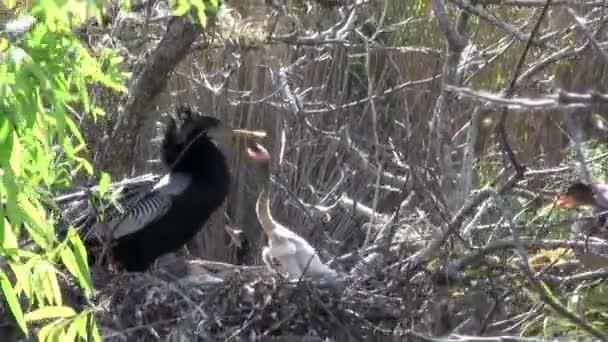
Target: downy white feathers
x=292, y=251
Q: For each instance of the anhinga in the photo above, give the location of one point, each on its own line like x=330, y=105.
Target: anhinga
x=292, y=251
x=180, y=203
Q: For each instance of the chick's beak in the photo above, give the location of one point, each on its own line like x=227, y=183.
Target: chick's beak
x=257, y=152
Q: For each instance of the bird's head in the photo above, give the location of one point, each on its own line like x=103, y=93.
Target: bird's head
x=578, y=194
x=258, y=153
x=188, y=129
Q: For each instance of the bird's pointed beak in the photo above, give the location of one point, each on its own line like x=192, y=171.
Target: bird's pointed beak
x=225, y=131
x=249, y=133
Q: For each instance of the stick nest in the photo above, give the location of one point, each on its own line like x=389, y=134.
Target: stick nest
x=249, y=302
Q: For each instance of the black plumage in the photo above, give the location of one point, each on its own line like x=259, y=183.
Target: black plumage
x=179, y=204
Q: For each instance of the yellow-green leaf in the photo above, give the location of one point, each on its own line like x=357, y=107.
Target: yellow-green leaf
x=80, y=256
x=8, y=239
x=77, y=327
x=10, y=4
x=69, y=260
x=13, y=301
x=94, y=329
x=3, y=44
x=57, y=334
x=72, y=332
x=24, y=282
x=49, y=312
x=81, y=325
x=104, y=183
x=45, y=332
x=50, y=285
x=5, y=124
x=85, y=164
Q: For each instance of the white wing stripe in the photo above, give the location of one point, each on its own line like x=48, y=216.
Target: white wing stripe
x=152, y=206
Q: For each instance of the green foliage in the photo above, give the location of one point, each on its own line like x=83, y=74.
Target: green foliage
x=43, y=76
x=200, y=9
x=588, y=301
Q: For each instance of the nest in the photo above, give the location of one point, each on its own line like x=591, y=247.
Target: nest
x=248, y=305
x=376, y=297
x=241, y=303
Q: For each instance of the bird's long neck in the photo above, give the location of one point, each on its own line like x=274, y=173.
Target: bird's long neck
x=262, y=208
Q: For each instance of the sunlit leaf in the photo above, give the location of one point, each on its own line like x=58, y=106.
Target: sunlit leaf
x=94, y=329
x=39, y=77
x=5, y=129
x=13, y=302
x=36, y=219
x=23, y=277
x=50, y=285
x=72, y=331
x=104, y=183
x=8, y=239
x=81, y=324
x=49, y=312
x=80, y=256
x=13, y=213
x=181, y=7
x=16, y=156
x=10, y=4
x=69, y=260
x=85, y=164
x=44, y=332
x=57, y=334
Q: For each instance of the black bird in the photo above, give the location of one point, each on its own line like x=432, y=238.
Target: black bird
x=180, y=203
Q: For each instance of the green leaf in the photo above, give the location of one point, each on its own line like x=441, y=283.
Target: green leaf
x=80, y=255
x=182, y=6
x=5, y=128
x=50, y=286
x=85, y=164
x=13, y=301
x=81, y=324
x=57, y=334
x=104, y=183
x=22, y=275
x=94, y=329
x=45, y=332
x=3, y=44
x=8, y=239
x=49, y=312
x=72, y=332
x=82, y=275
x=37, y=226
x=78, y=327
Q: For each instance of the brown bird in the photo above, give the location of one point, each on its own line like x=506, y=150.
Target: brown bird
x=580, y=194
x=595, y=198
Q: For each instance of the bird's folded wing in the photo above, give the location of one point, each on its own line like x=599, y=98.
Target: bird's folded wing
x=147, y=210
x=152, y=206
